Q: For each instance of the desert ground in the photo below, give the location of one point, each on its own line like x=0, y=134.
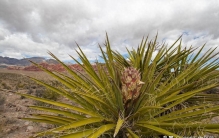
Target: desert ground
x=13, y=106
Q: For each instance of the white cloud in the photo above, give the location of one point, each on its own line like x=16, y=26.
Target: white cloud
x=33, y=27
x=20, y=45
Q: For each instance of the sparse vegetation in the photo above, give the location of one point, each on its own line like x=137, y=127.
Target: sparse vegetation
x=13, y=106
x=46, y=93
x=2, y=100
x=142, y=97
x=5, y=86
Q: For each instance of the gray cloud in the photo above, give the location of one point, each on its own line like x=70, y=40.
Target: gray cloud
x=30, y=28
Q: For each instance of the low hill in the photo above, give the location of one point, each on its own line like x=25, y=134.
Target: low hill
x=4, y=61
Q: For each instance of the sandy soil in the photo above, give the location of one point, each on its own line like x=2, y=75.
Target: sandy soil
x=15, y=106
x=13, y=109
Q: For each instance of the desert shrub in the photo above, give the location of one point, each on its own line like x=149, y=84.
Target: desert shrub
x=213, y=91
x=5, y=86
x=144, y=96
x=34, y=87
x=20, y=85
x=42, y=104
x=46, y=93
x=2, y=99
x=56, y=83
x=30, y=91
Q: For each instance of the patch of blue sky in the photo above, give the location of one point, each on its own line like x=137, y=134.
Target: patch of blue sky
x=126, y=41
x=199, y=36
x=164, y=39
x=99, y=60
x=69, y=61
x=185, y=33
x=29, y=56
x=26, y=56
x=200, y=56
x=126, y=55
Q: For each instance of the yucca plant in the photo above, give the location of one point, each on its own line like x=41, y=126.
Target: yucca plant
x=138, y=97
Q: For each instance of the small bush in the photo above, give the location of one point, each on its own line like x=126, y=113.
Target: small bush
x=2, y=100
x=34, y=87
x=30, y=91
x=39, y=103
x=20, y=85
x=213, y=91
x=5, y=85
x=46, y=93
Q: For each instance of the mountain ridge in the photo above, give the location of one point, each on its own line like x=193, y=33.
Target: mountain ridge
x=25, y=61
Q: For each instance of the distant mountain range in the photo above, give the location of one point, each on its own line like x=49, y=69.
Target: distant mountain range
x=6, y=61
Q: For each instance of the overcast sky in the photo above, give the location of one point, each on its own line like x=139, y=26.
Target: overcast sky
x=32, y=27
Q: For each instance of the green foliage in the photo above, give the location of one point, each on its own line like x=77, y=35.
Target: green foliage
x=170, y=100
x=20, y=85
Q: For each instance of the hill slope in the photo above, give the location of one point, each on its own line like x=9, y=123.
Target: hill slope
x=25, y=62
